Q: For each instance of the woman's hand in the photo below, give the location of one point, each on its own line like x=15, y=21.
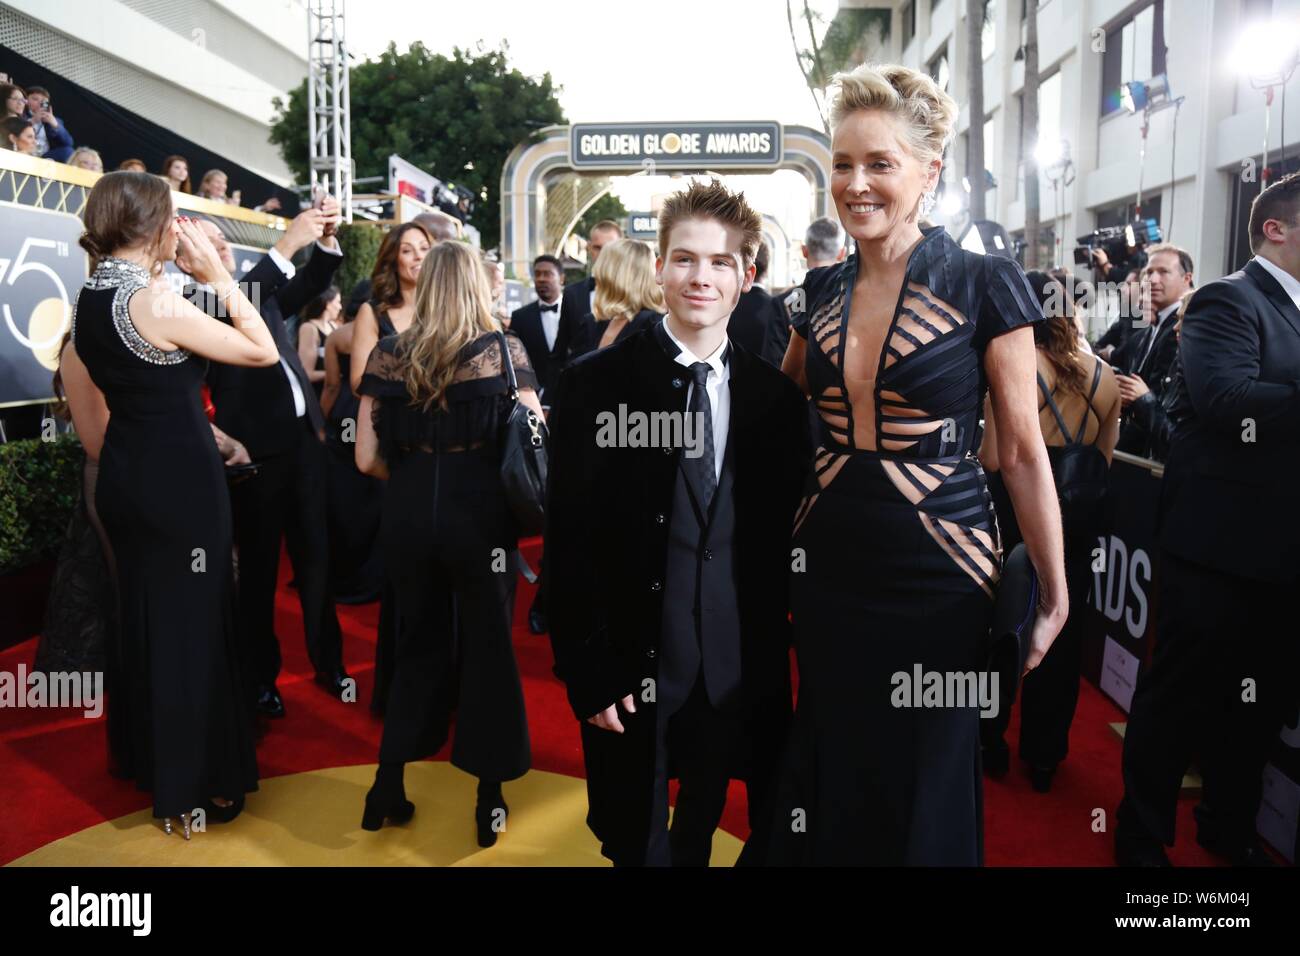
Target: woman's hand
x=1047, y=625
x=201, y=254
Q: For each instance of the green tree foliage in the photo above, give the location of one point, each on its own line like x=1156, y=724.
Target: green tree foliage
x=457, y=117
x=850, y=39
x=39, y=484
x=360, y=244
x=607, y=206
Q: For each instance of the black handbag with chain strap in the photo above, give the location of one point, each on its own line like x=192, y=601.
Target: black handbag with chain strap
x=523, y=454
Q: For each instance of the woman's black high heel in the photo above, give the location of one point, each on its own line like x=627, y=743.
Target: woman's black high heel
x=387, y=799
x=490, y=800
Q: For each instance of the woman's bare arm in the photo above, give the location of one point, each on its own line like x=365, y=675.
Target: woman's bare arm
x=333, y=372
x=369, y=460
x=793, y=363
x=85, y=401
x=365, y=333
x=1010, y=364
x=307, y=339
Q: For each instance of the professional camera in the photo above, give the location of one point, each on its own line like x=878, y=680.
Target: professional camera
x=1123, y=245
x=454, y=200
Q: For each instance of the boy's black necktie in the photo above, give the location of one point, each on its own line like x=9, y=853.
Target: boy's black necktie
x=701, y=411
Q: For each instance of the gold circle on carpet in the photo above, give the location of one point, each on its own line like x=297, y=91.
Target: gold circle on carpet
x=314, y=819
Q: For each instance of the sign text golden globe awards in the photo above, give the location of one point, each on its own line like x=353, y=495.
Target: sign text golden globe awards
x=674, y=145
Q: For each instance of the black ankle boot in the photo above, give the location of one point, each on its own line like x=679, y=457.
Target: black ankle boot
x=387, y=798
x=1040, y=776
x=490, y=800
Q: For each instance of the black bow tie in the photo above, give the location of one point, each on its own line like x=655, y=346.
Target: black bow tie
x=553, y=307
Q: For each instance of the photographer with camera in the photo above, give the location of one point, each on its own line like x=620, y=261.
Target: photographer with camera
x=53, y=141
x=1104, y=269
x=1144, y=362
x=1130, y=307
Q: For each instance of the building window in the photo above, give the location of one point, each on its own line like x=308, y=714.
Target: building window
x=1049, y=118
x=1122, y=213
x=1049, y=110
x=938, y=69
x=988, y=32
x=1047, y=253
x=990, y=153
x=909, y=22
x=1135, y=50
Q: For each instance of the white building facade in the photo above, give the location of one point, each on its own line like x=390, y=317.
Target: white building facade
x=205, y=69
x=1198, y=177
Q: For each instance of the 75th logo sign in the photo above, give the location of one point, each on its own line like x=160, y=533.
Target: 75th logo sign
x=41, y=269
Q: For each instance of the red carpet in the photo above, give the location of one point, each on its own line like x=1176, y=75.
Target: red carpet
x=54, y=780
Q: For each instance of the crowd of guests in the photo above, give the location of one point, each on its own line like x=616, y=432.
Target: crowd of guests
x=31, y=127
x=897, y=423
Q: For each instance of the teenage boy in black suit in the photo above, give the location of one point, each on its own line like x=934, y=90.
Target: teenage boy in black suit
x=668, y=548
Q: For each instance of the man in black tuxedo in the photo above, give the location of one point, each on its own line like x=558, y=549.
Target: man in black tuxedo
x=1146, y=357
x=577, y=303
x=669, y=551
x=823, y=245
x=579, y=296
x=756, y=325
x=538, y=324
x=1225, y=671
x=275, y=413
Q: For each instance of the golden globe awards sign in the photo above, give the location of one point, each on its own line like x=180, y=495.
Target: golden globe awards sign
x=654, y=146
x=642, y=225
x=42, y=269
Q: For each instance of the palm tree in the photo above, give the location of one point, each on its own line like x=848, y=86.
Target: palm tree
x=853, y=36
x=1030, y=135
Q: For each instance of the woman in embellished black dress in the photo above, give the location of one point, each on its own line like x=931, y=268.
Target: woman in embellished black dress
x=162, y=496
x=896, y=545
x=433, y=402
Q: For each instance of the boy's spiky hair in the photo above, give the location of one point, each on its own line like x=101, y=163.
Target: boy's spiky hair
x=712, y=201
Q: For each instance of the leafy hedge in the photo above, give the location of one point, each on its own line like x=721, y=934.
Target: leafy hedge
x=39, y=485
x=360, y=244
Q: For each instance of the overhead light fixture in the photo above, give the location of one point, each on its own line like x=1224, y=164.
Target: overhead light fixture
x=1267, y=53
x=1149, y=95
x=1048, y=153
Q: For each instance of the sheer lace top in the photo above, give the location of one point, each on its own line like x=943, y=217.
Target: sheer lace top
x=478, y=399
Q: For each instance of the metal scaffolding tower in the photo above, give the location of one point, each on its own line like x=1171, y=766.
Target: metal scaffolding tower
x=328, y=116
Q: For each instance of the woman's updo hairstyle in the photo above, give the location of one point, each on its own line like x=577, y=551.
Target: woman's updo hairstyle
x=126, y=210
x=929, y=112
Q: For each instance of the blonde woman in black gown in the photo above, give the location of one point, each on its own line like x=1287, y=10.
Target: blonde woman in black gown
x=161, y=493
x=897, y=347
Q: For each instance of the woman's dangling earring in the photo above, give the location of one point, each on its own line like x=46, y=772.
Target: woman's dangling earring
x=926, y=205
